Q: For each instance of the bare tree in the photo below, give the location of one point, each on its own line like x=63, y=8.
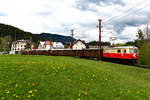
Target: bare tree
x=146, y=32
x=7, y=43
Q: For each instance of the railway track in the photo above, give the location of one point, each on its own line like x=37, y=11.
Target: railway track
x=134, y=65
x=85, y=54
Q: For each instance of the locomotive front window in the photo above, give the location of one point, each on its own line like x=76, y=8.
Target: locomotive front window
x=119, y=51
x=133, y=50
x=125, y=51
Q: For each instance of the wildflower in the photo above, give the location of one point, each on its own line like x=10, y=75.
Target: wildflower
x=7, y=92
x=79, y=94
x=78, y=98
x=16, y=85
x=33, y=84
x=93, y=75
x=32, y=95
x=35, y=90
x=30, y=92
x=128, y=91
x=2, y=98
x=138, y=92
x=17, y=96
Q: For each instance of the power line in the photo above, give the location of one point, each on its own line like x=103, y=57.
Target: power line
x=129, y=11
x=135, y=11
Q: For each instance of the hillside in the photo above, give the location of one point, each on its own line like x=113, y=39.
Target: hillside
x=55, y=37
x=67, y=78
x=6, y=30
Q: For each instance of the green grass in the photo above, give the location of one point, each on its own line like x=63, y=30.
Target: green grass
x=67, y=78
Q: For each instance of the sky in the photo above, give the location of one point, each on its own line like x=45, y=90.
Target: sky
x=120, y=18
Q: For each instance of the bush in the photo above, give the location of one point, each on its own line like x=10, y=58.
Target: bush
x=144, y=54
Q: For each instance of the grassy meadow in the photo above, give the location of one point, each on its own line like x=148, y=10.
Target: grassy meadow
x=68, y=78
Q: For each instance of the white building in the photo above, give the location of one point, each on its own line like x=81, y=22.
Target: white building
x=41, y=45
x=47, y=45
x=79, y=45
x=57, y=45
x=19, y=45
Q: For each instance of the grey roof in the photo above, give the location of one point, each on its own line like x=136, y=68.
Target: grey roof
x=20, y=41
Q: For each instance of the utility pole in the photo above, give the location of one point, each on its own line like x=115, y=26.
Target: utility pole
x=50, y=41
x=72, y=39
x=15, y=34
x=15, y=41
x=100, y=47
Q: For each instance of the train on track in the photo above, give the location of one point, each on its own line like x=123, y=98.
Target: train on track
x=127, y=54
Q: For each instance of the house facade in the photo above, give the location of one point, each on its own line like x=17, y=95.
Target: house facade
x=79, y=45
x=47, y=45
x=19, y=45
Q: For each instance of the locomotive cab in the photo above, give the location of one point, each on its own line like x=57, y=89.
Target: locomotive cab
x=125, y=52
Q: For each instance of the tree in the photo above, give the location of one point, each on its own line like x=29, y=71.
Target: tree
x=97, y=43
x=144, y=46
x=140, y=38
x=140, y=35
x=7, y=43
x=144, y=54
x=28, y=45
x=146, y=32
x=2, y=41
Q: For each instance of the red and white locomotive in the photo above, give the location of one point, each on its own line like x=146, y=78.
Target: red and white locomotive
x=123, y=53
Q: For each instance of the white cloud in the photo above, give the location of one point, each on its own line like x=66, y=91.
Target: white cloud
x=60, y=16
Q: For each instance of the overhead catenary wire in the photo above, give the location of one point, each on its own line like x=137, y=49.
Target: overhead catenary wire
x=115, y=17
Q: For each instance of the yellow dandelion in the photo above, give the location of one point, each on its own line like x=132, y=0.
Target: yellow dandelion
x=79, y=94
x=7, y=92
x=138, y=92
x=17, y=96
x=32, y=95
x=78, y=98
x=30, y=92
x=35, y=90
x=33, y=84
x=14, y=95
x=128, y=91
x=28, y=96
x=2, y=98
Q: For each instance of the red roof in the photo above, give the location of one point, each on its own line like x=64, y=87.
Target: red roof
x=47, y=43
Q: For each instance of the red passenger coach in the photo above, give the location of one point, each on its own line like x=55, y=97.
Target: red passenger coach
x=125, y=52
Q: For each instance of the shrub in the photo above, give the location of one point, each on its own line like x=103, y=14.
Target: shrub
x=144, y=54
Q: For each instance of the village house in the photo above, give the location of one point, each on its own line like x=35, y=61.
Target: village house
x=47, y=45
x=19, y=45
x=79, y=45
